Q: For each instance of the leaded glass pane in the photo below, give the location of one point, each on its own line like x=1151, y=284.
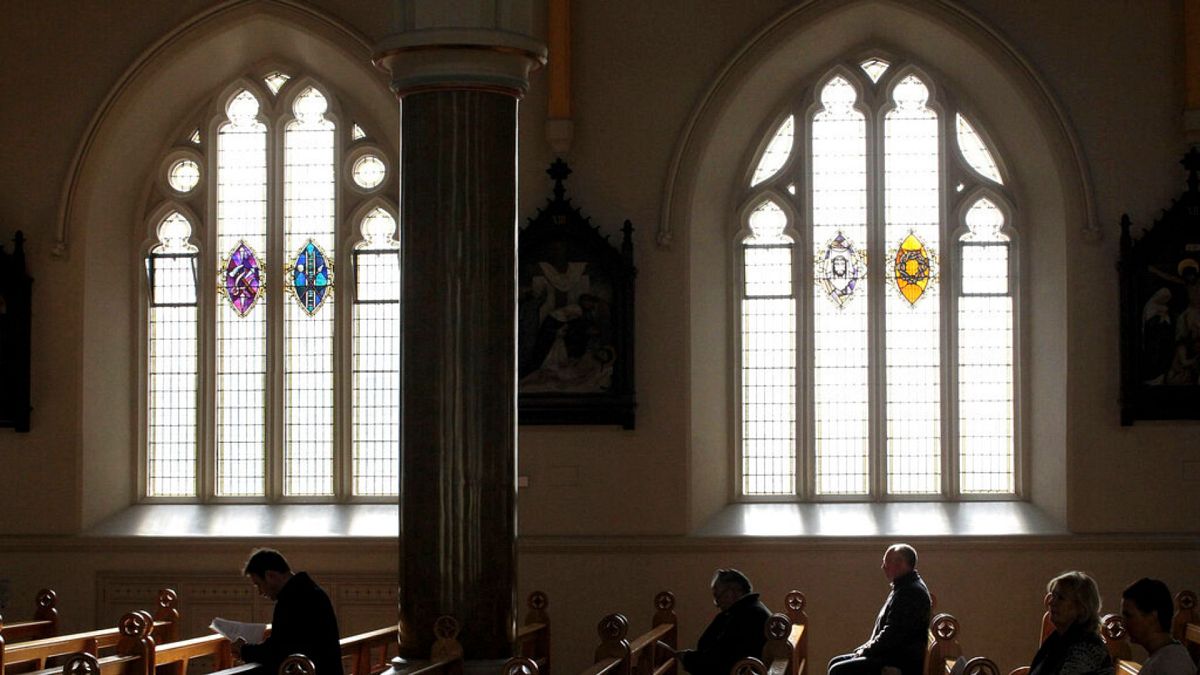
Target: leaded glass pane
x=874, y=68
x=369, y=171
x=768, y=357
x=241, y=349
x=777, y=152
x=172, y=368
x=975, y=151
x=275, y=81
x=309, y=236
x=357, y=133
x=184, y=175
x=840, y=294
x=912, y=319
x=985, y=357
x=377, y=358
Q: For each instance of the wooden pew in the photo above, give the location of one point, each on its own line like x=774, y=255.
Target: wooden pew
x=794, y=603
x=1185, y=625
x=780, y=655
x=134, y=652
x=370, y=653
x=35, y=654
x=943, y=650
x=646, y=656
x=533, y=638
x=975, y=666
x=613, y=656
x=44, y=623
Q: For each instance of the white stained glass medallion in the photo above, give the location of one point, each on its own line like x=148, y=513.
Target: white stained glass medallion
x=975, y=151
x=874, y=68
x=275, y=80
x=357, y=133
x=184, y=175
x=777, y=152
x=369, y=172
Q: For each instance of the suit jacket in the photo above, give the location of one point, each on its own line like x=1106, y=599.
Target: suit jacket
x=902, y=627
x=303, y=623
x=734, y=634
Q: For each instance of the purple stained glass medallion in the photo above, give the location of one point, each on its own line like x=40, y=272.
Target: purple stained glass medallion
x=243, y=279
x=839, y=270
x=311, y=277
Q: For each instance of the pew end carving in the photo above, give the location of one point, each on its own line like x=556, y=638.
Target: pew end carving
x=533, y=638
x=1185, y=625
x=944, y=648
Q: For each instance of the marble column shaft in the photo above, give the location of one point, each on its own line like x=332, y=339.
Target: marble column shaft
x=458, y=491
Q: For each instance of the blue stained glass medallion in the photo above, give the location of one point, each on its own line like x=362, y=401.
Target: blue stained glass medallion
x=242, y=279
x=839, y=270
x=311, y=277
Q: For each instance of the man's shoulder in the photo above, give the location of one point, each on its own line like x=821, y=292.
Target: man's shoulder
x=1172, y=659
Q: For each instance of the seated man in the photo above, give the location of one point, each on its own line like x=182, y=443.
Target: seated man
x=1147, y=607
x=901, y=628
x=303, y=621
x=736, y=632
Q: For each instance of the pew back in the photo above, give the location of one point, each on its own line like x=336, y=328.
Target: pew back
x=44, y=623
x=533, y=638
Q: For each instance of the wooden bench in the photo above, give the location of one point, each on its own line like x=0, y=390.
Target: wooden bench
x=978, y=665
x=35, y=654
x=44, y=623
x=533, y=638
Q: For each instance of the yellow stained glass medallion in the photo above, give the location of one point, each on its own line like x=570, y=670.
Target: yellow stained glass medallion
x=913, y=269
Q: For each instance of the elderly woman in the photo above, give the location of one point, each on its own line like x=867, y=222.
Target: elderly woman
x=1075, y=646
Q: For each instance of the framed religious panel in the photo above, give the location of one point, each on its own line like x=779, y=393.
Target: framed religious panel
x=15, y=320
x=1160, y=310
x=574, y=318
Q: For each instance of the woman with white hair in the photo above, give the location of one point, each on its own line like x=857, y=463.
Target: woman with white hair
x=1075, y=647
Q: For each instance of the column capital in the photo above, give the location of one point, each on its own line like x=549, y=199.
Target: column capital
x=460, y=58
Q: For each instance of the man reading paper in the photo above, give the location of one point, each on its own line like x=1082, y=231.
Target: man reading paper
x=303, y=621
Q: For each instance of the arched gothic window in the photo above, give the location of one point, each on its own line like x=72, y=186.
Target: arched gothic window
x=272, y=334
x=878, y=298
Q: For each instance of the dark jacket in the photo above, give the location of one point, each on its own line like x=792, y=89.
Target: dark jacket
x=1076, y=652
x=733, y=635
x=902, y=627
x=303, y=623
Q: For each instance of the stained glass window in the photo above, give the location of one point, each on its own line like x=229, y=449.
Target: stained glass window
x=275, y=80
x=874, y=417
x=369, y=171
x=268, y=430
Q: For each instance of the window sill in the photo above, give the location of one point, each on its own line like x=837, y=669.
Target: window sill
x=892, y=519
x=258, y=521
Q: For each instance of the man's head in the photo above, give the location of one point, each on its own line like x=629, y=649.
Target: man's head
x=898, y=560
x=1146, y=606
x=728, y=586
x=268, y=571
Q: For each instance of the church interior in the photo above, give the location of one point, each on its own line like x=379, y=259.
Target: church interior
x=663, y=110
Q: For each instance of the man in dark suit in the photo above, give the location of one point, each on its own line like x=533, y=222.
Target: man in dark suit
x=736, y=632
x=303, y=621
x=901, y=628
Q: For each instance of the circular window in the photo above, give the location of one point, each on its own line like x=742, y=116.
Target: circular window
x=183, y=175
x=369, y=171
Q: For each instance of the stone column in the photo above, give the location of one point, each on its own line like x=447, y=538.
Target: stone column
x=458, y=90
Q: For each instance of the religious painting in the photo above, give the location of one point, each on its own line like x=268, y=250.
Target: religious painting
x=1160, y=311
x=574, y=318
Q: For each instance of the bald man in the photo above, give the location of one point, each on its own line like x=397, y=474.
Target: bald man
x=899, y=636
